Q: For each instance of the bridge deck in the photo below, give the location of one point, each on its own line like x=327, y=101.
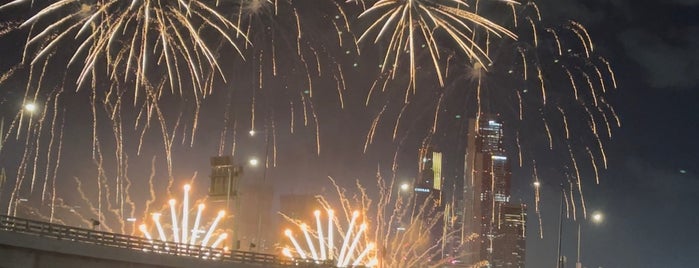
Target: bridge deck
x=16, y=233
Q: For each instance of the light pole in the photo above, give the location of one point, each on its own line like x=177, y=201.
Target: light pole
x=596, y=218
x=255, y=162
x=559, y=261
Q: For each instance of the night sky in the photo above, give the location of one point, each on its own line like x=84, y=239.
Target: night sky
x=648, y=194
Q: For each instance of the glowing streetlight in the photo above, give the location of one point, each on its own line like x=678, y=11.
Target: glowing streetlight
x=254, y=162
x=252, y=132
x=404, y=186
x=30, y=107
x=537, y=184
x=597, y=217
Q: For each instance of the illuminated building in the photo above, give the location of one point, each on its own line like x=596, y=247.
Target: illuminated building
x=486, y=192
x=428, y=192
x=429, y=181
x=511, y=237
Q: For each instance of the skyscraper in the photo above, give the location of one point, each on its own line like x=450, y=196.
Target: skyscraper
x=428, y=194
x=511, y=236
x=487, y=178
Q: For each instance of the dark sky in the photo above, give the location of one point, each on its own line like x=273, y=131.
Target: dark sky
x=647, y=195
x=650, y=190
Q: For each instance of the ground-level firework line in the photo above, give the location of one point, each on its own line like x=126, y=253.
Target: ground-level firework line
x=181, y=231
x=350, y=244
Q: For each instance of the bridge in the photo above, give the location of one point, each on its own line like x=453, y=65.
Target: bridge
x=29, y=243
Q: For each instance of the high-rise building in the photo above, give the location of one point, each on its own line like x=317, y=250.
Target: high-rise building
x=428, y=195
x=487, y=179
x=511, y=237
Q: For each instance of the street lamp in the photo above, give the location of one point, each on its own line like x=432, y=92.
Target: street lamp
x=559, y=261
x=596, y=218
x=405, y=187
x=30, y=107
x=255, y=162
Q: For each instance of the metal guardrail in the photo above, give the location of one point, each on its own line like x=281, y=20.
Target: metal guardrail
x=87, y=236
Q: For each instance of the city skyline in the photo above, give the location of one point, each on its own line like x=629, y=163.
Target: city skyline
x=311, y=101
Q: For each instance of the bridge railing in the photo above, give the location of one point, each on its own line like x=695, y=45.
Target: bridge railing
x=63, y=232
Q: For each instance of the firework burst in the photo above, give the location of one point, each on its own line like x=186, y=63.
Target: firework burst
x=411, y=25
x=128, y=38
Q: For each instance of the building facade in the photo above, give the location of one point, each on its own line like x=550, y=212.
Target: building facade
x=486, y=195
x=224, y=193
x=428, y=205
x=511, y=237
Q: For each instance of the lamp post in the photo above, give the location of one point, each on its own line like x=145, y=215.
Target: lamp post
x=559, y=261
x=254, y=162
x=596, y=218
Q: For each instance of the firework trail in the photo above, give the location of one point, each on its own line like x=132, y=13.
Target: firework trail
x=310, y=31
x=94, y=211
x=55, y=169
x=3, y=179
x=7, y=27
x=537, y=199
x=151, y=191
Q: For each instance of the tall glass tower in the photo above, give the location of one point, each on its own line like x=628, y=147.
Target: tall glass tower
x=486, y=191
